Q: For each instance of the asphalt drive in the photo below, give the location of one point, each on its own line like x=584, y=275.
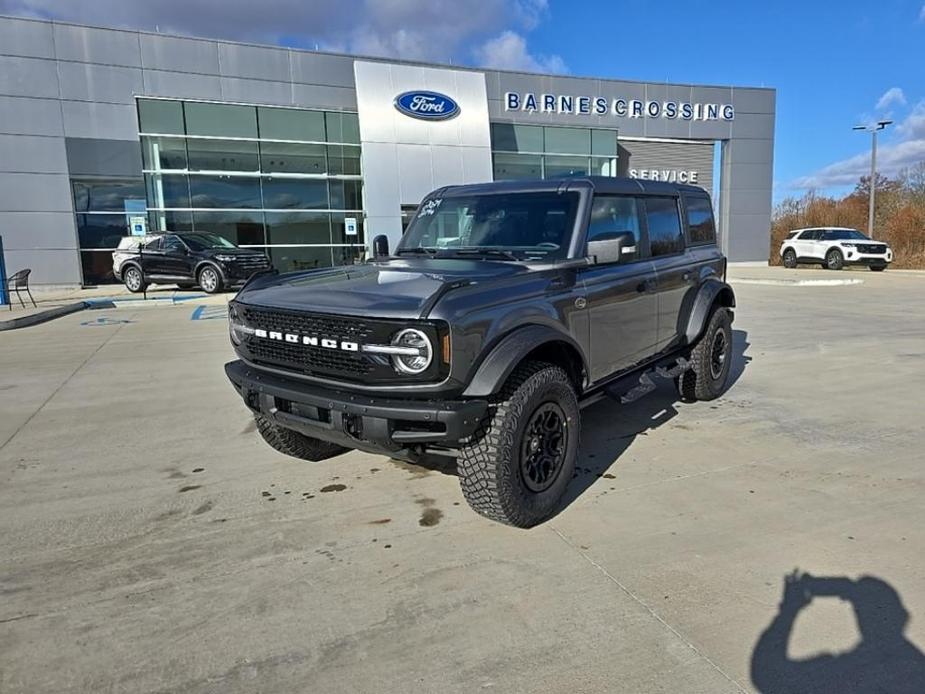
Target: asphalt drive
x=151, y=542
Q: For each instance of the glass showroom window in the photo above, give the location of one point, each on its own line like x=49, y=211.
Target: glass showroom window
x=282, y=179
x=105, y=209
x=532, y=151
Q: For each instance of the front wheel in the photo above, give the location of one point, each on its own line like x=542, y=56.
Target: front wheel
x=519, y=462
x=133, y=279
x=210, y=280
x=834, y=260
x=294, y=444
x=711, y=360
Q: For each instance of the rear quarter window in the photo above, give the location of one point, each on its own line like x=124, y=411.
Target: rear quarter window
x=700, y=225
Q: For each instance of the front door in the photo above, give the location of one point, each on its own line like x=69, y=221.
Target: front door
x=175, y=261
x=621, y=299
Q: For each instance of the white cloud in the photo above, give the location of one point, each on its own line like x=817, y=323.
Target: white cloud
x=892, y=96
x=891, y=158
x=508, y=51
x=427, y=30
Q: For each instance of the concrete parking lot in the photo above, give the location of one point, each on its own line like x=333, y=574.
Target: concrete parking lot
x=151, y=542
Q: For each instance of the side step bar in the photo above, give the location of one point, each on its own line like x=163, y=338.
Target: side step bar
x=646, y=385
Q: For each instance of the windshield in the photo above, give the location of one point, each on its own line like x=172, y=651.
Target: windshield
x=511, y=226
x=200, y=242
x=844, y=235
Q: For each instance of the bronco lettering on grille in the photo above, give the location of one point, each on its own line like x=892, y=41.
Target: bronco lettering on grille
x=307, y=340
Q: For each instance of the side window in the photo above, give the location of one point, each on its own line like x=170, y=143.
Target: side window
x=611, y=213
x=664, y=222
x=154, y=245
x=792, y=234
x=812, y=235
x=171, y=244
x=700, y=225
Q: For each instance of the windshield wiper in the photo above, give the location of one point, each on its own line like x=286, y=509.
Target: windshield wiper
x=417, y=250
x=488, y=252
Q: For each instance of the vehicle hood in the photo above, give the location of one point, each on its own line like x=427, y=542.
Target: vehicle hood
x=397, y=288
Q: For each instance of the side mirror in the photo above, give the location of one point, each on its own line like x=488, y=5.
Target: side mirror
x=381, y=246
x=613, y=247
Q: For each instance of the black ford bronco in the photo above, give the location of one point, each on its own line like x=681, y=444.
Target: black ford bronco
x=505, y=308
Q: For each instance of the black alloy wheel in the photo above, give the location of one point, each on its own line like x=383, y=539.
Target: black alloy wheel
x=542, y=450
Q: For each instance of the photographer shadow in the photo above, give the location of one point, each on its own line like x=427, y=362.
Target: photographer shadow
x=884, y=661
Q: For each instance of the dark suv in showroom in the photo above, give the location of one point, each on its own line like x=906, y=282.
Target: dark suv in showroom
x=189, y=259
x=504, y=309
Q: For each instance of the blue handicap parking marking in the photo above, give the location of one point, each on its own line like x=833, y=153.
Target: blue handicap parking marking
x=106, y=320
x=209, y=313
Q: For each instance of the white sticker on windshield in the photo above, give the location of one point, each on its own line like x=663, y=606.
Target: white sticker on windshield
x=429, y=207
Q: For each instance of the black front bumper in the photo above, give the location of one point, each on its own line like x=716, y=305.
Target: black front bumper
x=380, y=425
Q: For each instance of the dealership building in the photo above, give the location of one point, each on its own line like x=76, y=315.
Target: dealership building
x=106, y=133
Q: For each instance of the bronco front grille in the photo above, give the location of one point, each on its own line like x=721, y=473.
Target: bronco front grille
x=336, y=363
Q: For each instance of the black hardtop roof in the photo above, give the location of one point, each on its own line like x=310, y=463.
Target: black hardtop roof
x=600, y=184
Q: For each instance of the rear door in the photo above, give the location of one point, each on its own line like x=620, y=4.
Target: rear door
x=808, y=243
x=150, y=256
x=673, y=264
x=622, y=305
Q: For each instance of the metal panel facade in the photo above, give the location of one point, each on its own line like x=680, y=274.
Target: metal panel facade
x=61, y=80
x=425, y=154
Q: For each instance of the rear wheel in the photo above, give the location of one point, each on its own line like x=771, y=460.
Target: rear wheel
x=133, y=279
x=210, y=280
x=711, y=360
x=834, y=260
x=294, y=444
x=518, y=464
x=790, y=258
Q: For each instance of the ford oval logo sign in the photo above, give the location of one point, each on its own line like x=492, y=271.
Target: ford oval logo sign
x=426, y=105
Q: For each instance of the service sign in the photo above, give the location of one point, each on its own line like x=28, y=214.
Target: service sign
x=427, y=105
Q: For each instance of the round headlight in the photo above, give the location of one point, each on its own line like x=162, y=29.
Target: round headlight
x=417, y=351
x=237, y=329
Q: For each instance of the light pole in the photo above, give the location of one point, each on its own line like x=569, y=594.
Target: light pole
x=873, y=130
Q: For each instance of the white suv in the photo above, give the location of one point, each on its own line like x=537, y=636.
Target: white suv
x=833, y=248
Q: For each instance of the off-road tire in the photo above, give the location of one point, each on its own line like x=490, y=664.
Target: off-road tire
x=129, y=275
x=489, y=464
x=210, y=287
x=703, y=381
x=834, y=260
x=790, y=258
x=294, y=444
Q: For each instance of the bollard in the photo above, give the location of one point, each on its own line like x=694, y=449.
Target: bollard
x=4, y=298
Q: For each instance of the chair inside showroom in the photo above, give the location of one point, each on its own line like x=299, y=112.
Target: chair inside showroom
x=19, y=282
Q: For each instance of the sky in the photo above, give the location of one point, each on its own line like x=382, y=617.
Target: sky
x=834, y=64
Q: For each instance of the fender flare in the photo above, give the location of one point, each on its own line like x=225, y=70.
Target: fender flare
x=510, y=351
x=711, y=292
